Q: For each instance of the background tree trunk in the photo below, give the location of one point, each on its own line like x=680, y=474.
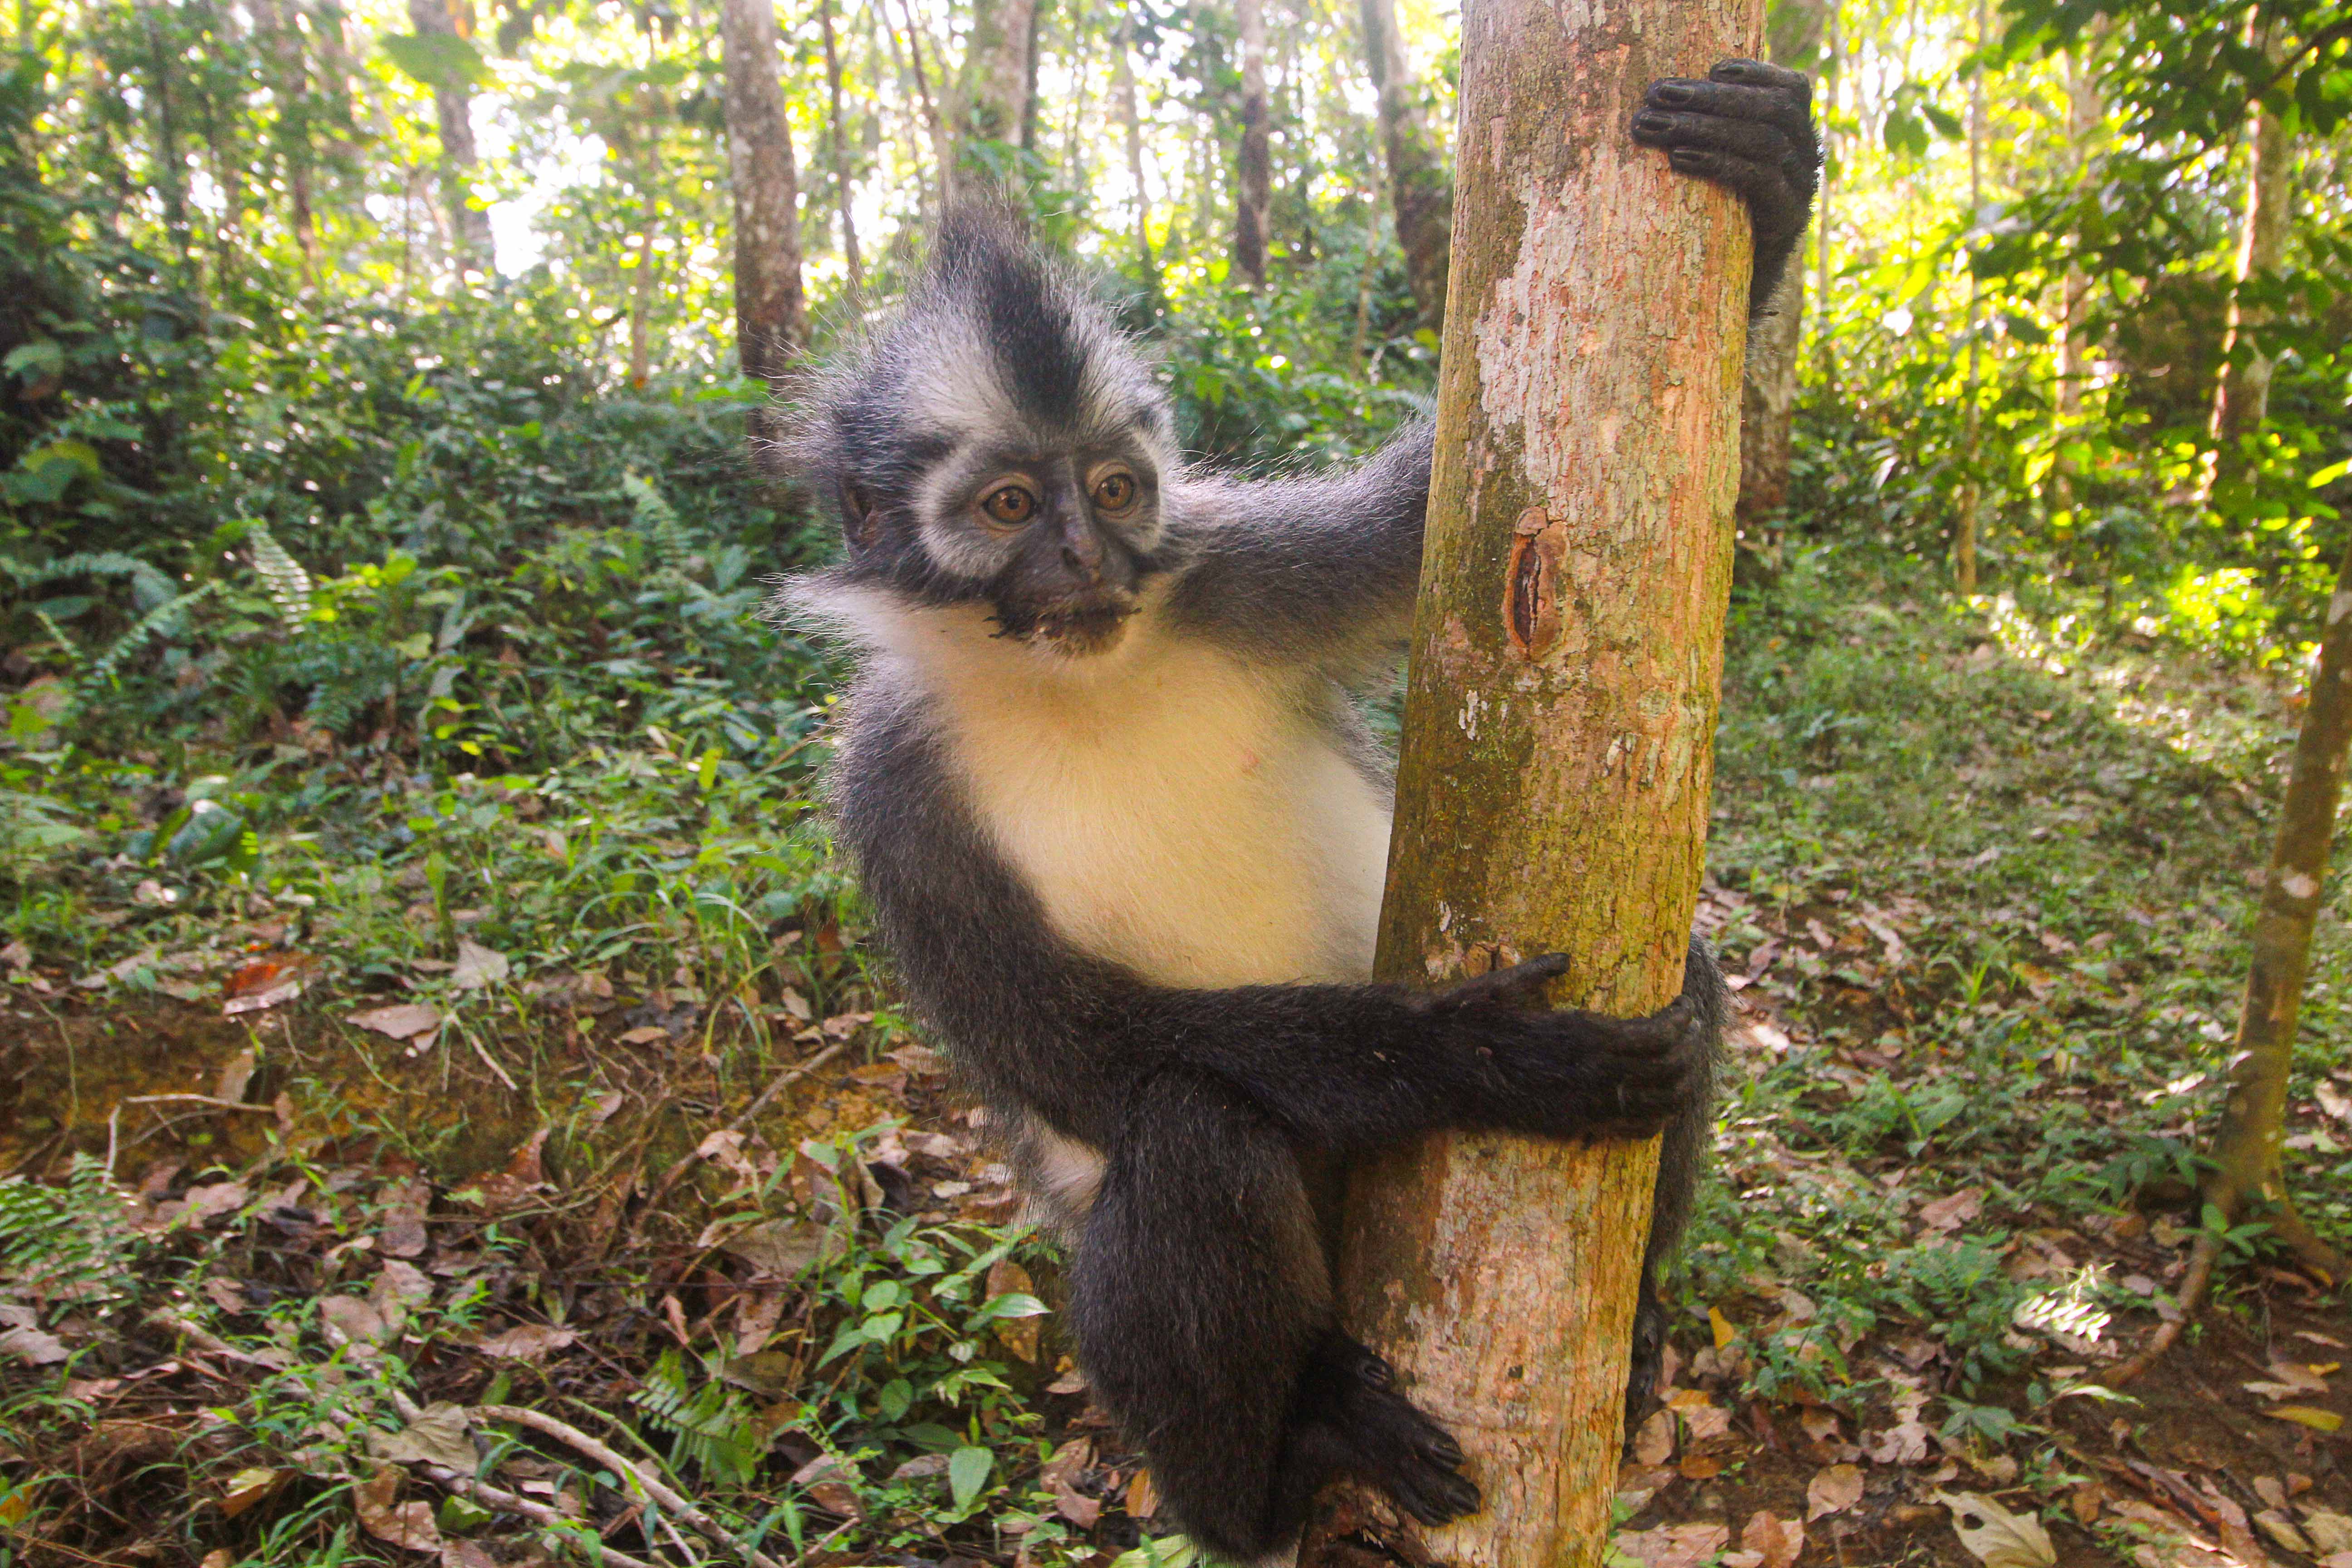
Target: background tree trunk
x=1767, y=391
x=769, y=325
x=1559, y=725
x=453, y=114
x=838, y=136
x=2241, y=394
x=1964, y=534
x=2084, y=114
x=1420, y=188
x=1131, y=122
x=992, y=100
x=1255, y=188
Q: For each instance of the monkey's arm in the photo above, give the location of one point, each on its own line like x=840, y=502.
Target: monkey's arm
x=1318, y=570
x=1335, y=1066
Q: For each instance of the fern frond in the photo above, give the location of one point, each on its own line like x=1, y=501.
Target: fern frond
x=289, y=586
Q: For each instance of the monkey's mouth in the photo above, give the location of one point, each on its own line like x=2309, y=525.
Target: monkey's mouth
x=1075, y=630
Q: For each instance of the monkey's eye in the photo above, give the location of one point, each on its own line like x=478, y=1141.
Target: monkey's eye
x=1114, y=491
x=1010, y=505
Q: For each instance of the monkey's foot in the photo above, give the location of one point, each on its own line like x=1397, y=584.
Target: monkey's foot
x=1374, y=1432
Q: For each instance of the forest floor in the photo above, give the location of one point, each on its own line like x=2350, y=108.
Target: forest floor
x=458, y=1256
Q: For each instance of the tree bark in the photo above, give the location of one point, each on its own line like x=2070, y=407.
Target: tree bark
x=1131, y=122
x=1255, y=188
x=1767, y=391
x=2084, y=114
x=852, y=265
x=2246, y=1146
x=770, y=324
x=453, y=115
x=2241, y=394
x=1558, y=729
x=1964, y=535
x=992, y=100
x=1420, y=189
x=943, y=153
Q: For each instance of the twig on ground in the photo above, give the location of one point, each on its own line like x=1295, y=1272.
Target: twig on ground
x=673, y=1503
x=687, y=1162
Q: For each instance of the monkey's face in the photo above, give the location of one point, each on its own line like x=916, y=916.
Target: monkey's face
x=1058, y=543
x=1001, y=444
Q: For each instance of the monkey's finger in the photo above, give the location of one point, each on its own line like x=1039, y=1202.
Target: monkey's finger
x=1772, y=205
x=1758, y=73
x=1725, y=101
x=1741, y=137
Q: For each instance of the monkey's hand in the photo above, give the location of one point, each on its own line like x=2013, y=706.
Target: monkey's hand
x=1750, y=127
x=1588, y=1073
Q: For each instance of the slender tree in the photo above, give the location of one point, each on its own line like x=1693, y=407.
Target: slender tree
x=943, y=153
x=1964, y=539
x=771, y=327
x=1558, y=729
x=837, y=141
x=1131, y=122
x=1419, y=186
x=2242, y=393
x=2247, y=1163
x=2085, y=113
x=453, y=115
x=1253, y=189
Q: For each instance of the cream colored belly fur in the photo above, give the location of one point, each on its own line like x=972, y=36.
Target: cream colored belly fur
x=1175, y=814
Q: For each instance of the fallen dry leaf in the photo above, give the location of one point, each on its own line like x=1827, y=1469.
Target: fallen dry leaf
x=2282, y=1529
x=1142, y=1497
x=1996, y=1537
x=408, y=1525
x=1833, y=1489
x=438, y=1437
x=2309, y=1415
x=1951, y=1213
x=1673, y=1545
x=478, y=966
x=1778, y=1541
x=32, y=1346
x=1705, y=1418
x=404, y=1022
x=528, y=1342
x=248, y=1487
x=2330, y=1532
x=1018, y=1335
x=1655, y=1443
x=1905, y=1443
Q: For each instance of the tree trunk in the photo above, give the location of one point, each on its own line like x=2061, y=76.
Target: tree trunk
x=1827, y=93
x=1131, y=121
x=837, y=135
x=770, y=328
x=2084, y=114
x=2241, y=394
x=1559, y=728
x=1419, y=186
x=1256, y=185
x=453, y=114
x=1767, y=391
x=942, y=149
x=2246, y=1148
x=1964, y=536
x=992, y=100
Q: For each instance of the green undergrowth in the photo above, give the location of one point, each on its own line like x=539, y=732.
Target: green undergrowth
x=1992, y=877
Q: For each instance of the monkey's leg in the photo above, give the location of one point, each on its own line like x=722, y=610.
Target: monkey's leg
x=1682, y=1160
x=1748, y=126
x=1202, y=1306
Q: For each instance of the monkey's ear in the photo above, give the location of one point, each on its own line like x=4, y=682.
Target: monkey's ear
x=857, y=508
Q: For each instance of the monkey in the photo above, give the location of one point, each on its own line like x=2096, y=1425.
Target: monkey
x=1122, y=830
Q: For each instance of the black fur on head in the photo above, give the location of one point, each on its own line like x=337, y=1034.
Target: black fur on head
x=997, y=439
